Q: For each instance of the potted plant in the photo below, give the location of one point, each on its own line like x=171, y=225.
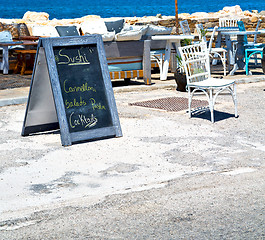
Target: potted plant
x=180, y=75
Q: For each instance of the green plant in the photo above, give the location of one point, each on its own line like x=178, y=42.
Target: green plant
x=185, y=42
x=203, y=32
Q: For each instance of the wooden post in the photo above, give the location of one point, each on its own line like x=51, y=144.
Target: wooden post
x=177, y=17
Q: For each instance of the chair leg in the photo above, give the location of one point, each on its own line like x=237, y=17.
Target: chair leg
x=211, y=104
x=235, y=99
x=246, y=62
x=189, y=99
x=18, y=64
x=224, y=63
x=256, y=59
x=160, y=60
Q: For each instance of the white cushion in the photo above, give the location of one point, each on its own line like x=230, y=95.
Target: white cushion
x=128, y=27
x=128, y=36
x=109, y=36
x=157, y=30
x=94, y=26
x=46, y=31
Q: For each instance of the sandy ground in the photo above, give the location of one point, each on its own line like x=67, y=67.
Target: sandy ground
x=168, y=177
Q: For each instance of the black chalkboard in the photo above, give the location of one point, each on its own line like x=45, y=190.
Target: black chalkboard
x=81, y=89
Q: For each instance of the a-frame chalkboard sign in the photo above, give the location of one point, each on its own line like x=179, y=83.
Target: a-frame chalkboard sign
x=71, y=90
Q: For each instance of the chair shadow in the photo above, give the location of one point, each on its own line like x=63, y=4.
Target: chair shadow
x=204, y=113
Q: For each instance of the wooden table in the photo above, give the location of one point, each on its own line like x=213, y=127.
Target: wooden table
x=170, y=39
x=22, y=60
x=238, y=54
x=4, y=65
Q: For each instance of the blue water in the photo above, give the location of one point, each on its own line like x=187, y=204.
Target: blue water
x=118, y=8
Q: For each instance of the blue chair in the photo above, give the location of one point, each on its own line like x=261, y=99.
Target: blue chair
x=241, y=27
x=250, y=52
x=251, y=48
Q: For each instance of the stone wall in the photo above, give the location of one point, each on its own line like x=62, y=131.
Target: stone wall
x=209, y=20
x=250, y=25
x=249, y=22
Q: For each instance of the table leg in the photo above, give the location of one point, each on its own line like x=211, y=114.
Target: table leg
x=217, y=45
x=240, y=52
x=23, y=68
x=163, y=73
x=5, y=60
x=18, y=65
x=231, y=54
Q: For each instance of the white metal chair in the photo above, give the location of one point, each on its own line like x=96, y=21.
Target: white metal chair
x=228, y=22
x=195, y=60
x=184, y=25
x=201, y=32
x=158, y=56
x=214, y=53
x=217, y=53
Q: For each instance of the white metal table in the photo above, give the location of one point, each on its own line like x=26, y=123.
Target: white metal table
x=218, y=41
x=170, y=39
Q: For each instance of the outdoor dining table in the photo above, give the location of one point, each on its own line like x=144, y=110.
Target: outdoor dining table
x=237, y=54
x=219, y=31
x=169, y=40
x=218, y=41
x=4, y=65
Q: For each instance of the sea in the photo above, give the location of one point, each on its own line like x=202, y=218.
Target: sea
x=68, y=9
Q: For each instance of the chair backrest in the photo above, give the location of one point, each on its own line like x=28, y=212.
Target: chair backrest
x=185, y=27
x=257, y=28
x=212, y=38
x=195, y=60
x=241, y=27
x=228, y=22
x=5, y=36
x=200, y=31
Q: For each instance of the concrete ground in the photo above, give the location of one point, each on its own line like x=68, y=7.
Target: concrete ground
x=168, y=177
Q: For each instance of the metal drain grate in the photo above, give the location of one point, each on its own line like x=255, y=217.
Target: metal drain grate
x=173, y=104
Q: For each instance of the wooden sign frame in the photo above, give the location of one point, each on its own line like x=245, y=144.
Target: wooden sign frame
x=46, y=109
